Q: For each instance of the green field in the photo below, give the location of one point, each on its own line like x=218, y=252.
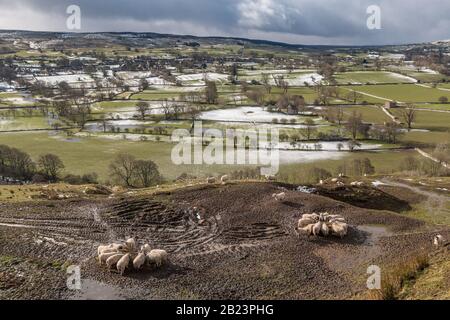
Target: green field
x=369, y=114
x=364, y=77
x=429, y=119
x=400, y=93
x=425, y=137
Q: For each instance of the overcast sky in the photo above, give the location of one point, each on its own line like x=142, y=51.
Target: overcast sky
x=292, y=21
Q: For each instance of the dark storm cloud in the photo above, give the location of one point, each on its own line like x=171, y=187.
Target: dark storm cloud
x=301, y=21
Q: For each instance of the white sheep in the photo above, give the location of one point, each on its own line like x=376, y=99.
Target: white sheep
x=316, y=228
x=157, y=257
x=110, y=248
x=210, y=180
x=113, y=260
x=334, y=220
x=131, y=244
x=334, y=180
x=224, y=179
x=313, y=216
x=306, y=230
x=438, y=240
x=279, y=196
x=340, y=184
x=104, y=256
x=123, y=263
x=139, y=261
x=339, y=229
x=335, y=216
x=321, y=182
x=146, y=248
x=303, y=222
x=325, y=230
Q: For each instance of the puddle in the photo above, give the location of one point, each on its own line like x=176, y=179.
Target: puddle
x=374, y=233
x=94, y=290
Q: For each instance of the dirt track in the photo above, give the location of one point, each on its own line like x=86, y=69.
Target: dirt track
x=246, y=247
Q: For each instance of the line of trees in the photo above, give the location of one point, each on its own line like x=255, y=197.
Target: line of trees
x=16, y=164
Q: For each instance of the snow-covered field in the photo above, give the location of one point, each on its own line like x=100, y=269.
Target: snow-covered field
x=309, y=78
x=255, y=114
x=402, y=77
x=198, y=78
x=69, y=78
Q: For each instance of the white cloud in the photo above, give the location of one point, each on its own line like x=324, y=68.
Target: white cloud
x=256, y=13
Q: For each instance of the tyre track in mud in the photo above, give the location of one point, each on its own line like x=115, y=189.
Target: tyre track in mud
x=178, y=231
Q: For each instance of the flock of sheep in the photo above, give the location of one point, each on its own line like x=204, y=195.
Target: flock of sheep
x=122, y=255
x=322, y=224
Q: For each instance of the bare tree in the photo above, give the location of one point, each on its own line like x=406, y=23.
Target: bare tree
x=123, y=169
x=354, y=124
x=211, y=92
x=265, y=79
x=354, y=96
x=147, y=173
x=142, y=107
x=409, y=115
x=309, y=128
x=51, y=166
x=193, y=112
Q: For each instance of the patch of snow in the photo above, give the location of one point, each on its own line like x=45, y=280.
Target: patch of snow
x=378, y=183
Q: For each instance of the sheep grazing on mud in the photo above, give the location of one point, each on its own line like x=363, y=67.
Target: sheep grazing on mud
x=339, y=229
x=113, y=260
x=131, y=244
x=157, y=257
x=325, y=230
x=120, y=255
x=114, y=247
x=139, y=261
x=322, y=224
x=316, y=228
x=224, y=179
x=210, y=180
x=303, y=222
x=146, y=248
x=306, y=230
x=279, y=196
x=313, y=216
x=123, y=263
x=104, y=256
x=438, y=241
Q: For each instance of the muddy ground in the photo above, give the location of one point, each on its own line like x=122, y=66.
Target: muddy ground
x=243, y=247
